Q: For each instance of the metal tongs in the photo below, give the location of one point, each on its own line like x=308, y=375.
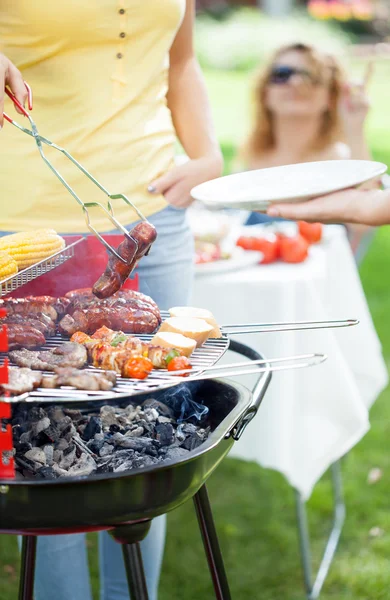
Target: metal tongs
x=109, y=211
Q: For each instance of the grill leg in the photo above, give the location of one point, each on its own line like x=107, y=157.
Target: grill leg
x=130, y=537
x=27, y=568
x=211, y=544
x=135, y=571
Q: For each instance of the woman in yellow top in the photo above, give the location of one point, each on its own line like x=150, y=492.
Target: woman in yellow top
x=114, y=82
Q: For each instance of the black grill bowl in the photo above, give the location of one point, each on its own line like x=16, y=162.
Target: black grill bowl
x=113, y=499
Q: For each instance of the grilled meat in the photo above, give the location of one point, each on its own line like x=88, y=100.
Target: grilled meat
x=123, y=298
x=21, y=381
x=136, y=245
x=24, y=336
x=80, y=379
x=108, y=349
x=88, y=320
x=41, y=322
x=67, y=355
x=30, y=306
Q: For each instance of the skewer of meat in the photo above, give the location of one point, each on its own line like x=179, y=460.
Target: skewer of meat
x=111, y=350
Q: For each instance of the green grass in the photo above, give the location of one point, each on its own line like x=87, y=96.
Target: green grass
x=253, y=507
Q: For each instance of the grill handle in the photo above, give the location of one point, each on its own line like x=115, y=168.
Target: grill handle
x=258, y=391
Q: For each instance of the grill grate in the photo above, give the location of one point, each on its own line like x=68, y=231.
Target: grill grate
x=44, y=266
x=206, y=356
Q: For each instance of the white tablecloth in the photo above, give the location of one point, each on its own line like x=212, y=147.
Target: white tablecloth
x=309, y=417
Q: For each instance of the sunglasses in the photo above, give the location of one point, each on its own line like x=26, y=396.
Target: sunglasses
x=282, y=74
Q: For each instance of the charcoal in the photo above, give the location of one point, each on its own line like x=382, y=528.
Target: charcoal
x=47, y=473
x=84, y=466
x=60, y=442
x=151, y=415
x=192, y=441
x=68, y=457
x=146, y=425
x=49, y=453
x=73, y=413
x=69, y=432
x=51, y=434
x=26, y=463
x=135, y=432
x=114, y=428
x=40, y=425
x=22, y=447
x=107, y=416
x=95, y=445
x=165, y=433
x=164, y=420
x=57, y=456
x=36, y=413
x=93, y=427
x=106, y=450
x=55, y=414
x=37, y=455
x=161, y=408
x=189, y=428
x=60, y=472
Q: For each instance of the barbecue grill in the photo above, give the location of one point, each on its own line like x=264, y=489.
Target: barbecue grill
x=125, y=503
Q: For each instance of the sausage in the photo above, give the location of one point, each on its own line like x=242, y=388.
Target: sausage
x=132, y=250
x=24, y=336
x=41, y=322
x=128, y=320
x=28, y=306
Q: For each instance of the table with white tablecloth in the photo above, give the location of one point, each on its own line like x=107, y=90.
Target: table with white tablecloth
x=309, y=417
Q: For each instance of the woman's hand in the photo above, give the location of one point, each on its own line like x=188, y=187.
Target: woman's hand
x=367, y=207
x=10, y=76
x=177, y=183
x=354, y=107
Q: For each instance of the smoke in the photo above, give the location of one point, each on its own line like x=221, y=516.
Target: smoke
x=180, y=400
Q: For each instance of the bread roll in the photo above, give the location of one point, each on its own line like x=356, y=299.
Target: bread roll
x=197, y=313
x=166, y=339
x=196, y=329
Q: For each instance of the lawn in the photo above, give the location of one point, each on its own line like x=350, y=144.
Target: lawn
x=254, y=508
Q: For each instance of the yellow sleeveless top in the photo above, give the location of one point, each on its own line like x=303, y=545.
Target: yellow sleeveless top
x=99, y=73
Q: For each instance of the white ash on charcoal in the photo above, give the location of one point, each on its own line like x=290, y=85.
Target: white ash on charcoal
x=60, y=442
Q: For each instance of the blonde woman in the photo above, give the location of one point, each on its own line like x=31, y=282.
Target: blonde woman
x=305, y=111
x=115, y=82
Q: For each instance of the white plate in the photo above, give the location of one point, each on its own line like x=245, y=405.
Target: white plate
x=240, y=259
x=255, y=190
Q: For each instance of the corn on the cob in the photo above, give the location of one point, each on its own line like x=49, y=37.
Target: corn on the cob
x=29, y=247
x=8, y=266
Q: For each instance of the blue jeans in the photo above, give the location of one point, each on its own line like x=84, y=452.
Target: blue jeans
x=62, y=566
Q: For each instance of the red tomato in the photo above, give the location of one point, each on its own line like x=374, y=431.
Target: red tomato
x=293, y=249
x=268, y=246
x=179, y=363
x=245, y=242
x=312, y=232
x=137, y=367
